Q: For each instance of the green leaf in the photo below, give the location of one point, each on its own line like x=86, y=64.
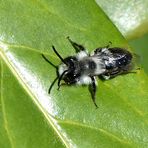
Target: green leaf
x=140, y=46
x=4, y=142
x=130, y=16
x=24, y=123
x=33, y=118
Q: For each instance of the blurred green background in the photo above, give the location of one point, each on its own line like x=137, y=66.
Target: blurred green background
x=140, y=45
x=131, y=18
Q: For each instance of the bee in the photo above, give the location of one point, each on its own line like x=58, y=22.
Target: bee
x=83, y=68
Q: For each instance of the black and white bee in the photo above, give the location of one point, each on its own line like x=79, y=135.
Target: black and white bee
x=83, y=68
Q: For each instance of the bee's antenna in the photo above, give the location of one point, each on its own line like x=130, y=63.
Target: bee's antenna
x=58, y=55
x=52, y=84
x=49, y=62
x=60, y=78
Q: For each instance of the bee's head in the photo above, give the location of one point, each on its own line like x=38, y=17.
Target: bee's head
x=67, y=69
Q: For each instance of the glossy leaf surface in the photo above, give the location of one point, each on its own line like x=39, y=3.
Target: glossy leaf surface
x=141, y=48
x=130, y=16
x=32, y=117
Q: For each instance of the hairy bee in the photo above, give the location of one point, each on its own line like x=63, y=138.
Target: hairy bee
x=83, y=68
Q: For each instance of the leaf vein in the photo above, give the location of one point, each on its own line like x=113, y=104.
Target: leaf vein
x=105, y=132
x=63, y=20
x=3, y=110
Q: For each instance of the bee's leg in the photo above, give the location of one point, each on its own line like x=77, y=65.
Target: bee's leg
x=135, y=70
x=106, y=76
x=109, y=44
x=60, y=79
x=76, y=46
x=130, y=69
x=92, y=89
x=100, y=49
